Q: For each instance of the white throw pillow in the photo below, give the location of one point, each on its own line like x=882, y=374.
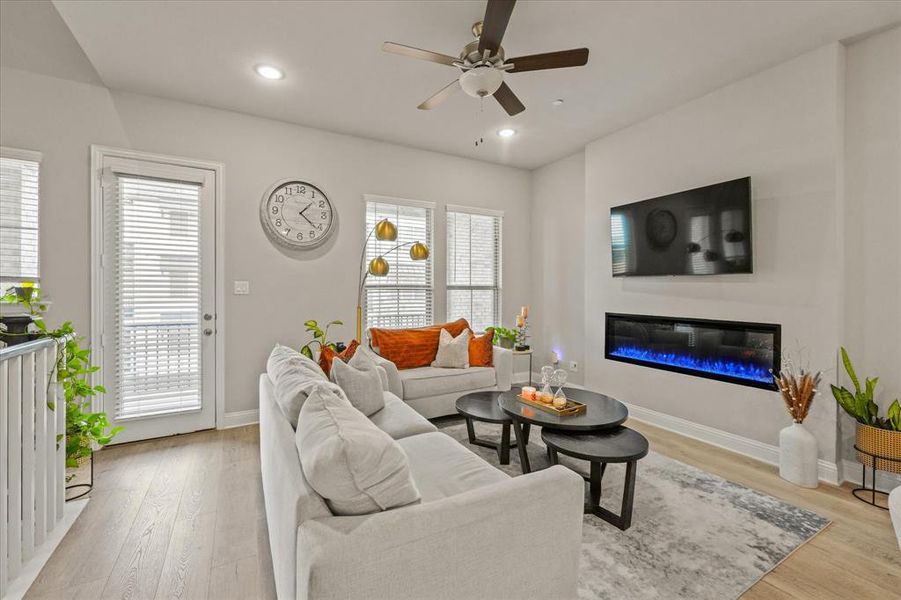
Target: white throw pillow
x=292, y=375
x=355, y=466
x=363, y=387
x=453, y=352
x=361, y=360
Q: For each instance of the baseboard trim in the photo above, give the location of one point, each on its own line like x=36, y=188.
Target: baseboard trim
x=827, y=471
x=851, y=470
x=240, y=418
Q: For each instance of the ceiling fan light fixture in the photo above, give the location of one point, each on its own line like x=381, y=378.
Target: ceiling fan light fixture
x=481, y=81
x=269, y=72
x=506, y=132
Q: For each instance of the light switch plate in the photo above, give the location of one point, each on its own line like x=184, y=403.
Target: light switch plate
x=242, y=288
x=573, y=366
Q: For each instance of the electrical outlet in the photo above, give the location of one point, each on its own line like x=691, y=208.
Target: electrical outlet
x=242, y=288
x=573, y=366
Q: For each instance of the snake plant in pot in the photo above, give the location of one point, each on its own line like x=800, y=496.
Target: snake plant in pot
x=875, y=435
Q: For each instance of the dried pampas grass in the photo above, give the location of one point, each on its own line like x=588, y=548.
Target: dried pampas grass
x=798, y=388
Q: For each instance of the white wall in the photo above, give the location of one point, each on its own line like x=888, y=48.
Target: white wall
x=62, y=119
x=873, y=215
x=782, y=128
x=558, y=261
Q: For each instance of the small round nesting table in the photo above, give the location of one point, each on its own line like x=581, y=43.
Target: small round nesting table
x=617, y=445
x=483, y=406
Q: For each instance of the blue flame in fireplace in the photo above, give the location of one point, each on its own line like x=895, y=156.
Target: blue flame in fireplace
x=730, y=368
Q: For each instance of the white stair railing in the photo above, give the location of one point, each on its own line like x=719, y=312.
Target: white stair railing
x=32, y=463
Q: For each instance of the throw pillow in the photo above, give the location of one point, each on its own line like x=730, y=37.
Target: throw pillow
x=355, y=466
x=292, y=375
x=363, y=361
x=363, y=387
x=411, y=348
x=326, y=355
x=481, y=349
x=453, y=352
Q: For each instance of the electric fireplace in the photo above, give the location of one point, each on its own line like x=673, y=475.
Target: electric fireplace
x=732, y=351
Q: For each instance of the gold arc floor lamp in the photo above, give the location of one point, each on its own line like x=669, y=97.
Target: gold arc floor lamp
x=385, y=231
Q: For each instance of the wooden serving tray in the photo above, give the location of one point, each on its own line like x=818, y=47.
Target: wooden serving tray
x=572, y=407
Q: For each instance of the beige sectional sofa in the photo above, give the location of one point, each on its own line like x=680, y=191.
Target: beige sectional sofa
x=433, y=391
x=475, y=532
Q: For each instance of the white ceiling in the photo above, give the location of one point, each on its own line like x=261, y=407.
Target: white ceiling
x=646, y=57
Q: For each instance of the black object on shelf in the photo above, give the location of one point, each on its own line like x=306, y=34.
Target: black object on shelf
x=17, y=329
x=872, y=491
x=89, y=485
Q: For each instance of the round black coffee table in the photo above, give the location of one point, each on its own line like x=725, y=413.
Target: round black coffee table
x=602, y=412
x=617, y=445
x=483, y=406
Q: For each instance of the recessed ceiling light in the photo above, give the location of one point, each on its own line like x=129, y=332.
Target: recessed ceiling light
x=557, y=102
x=505, y=133
x=269, y=72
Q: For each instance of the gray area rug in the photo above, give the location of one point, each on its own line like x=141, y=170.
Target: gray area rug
x=693, y=535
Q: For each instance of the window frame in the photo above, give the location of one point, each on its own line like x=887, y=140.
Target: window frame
x=430, y=242
x=34, y=156
x=498, y=286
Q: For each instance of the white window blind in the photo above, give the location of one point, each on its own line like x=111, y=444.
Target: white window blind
x=19, y=255
x=619, y=242
x=153, y=259
x=474, y=268
x=403, y=298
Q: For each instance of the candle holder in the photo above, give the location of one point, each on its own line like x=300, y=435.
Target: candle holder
x=522, y=330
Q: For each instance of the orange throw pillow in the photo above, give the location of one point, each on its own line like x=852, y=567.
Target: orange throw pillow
x=327, y=355
x=411, y=348
x=481, y=351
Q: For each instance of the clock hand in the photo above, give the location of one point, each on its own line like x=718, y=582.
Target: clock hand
x=304, y=216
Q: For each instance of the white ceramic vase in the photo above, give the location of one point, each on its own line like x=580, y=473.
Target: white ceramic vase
x=798, y=456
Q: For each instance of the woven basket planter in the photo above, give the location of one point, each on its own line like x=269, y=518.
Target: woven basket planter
x=883, y=442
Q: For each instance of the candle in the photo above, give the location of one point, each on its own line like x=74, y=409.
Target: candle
x=520, y=321
x=528, y=392
x=524, y=312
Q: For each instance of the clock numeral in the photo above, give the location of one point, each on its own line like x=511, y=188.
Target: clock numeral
x=312, y=234
x=289, y=191
x=278, y=222
x=275, y=210
x=319, y=226
x=287, y=231
x=301, y=189
x=321, y=204
x=313, y=192
x=323, y=215
x=300, y=235
x=279, y=198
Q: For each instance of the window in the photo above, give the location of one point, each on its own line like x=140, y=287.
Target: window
x=152, y=233
x=619, y=242
x=19, y=254
x=474, y=266
x=403, y=298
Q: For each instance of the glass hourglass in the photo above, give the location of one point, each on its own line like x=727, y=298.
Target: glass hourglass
x=547, y=373
x=558, y=380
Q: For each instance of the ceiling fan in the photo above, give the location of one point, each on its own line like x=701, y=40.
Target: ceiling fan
x=482, y=61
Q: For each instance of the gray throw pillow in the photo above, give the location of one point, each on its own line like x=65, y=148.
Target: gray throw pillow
x=453, y=352
x=363, y=387
x=362, y=361
x=292, y=376
x=355, y=466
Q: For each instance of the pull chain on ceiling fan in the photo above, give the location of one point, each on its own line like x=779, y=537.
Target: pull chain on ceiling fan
x=482, y=62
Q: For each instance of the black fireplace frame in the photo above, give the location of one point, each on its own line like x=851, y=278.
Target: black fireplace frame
x=774, y=329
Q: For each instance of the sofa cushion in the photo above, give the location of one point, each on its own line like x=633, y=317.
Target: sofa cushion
x=327, y=355
x=443, y=467
x=453, y=352
x=433, y=381
x=411, y=348
x=363, y=361
x=481, y=350
x=292, y=375
x=399, y=420
x=349, y=461
x=363, y=387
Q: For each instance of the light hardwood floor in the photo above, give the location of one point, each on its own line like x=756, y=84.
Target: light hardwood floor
x=183, y=517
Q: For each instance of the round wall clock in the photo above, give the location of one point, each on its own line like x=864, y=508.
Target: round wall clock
x=297, y=214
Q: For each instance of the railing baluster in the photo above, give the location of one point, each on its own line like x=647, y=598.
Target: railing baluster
x=14, y=552
x=40, y=446
x=28, y=456
x=52, y=483
x=4, y=477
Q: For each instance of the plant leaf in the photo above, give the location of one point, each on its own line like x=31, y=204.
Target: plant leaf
x=846, y=360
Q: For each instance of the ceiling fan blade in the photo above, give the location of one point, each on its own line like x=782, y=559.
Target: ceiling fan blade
x=508, y=100
x=549, y=60
x=494, y=24
x=410, y=51
x=440, y=96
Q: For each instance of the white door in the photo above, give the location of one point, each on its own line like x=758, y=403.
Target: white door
x=158, y=306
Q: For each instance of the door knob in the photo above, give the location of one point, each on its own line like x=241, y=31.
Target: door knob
x=207, y=331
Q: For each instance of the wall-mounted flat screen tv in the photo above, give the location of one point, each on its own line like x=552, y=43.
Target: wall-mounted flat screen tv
x=704, y=231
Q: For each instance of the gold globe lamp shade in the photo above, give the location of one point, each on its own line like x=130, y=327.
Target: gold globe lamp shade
x=378, y=267
x=385, y=231
x=419, y=251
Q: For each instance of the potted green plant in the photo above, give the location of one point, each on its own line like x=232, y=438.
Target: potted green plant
x=21, y=305
x=320, y=338
x=503, y=337
x=875, y=435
